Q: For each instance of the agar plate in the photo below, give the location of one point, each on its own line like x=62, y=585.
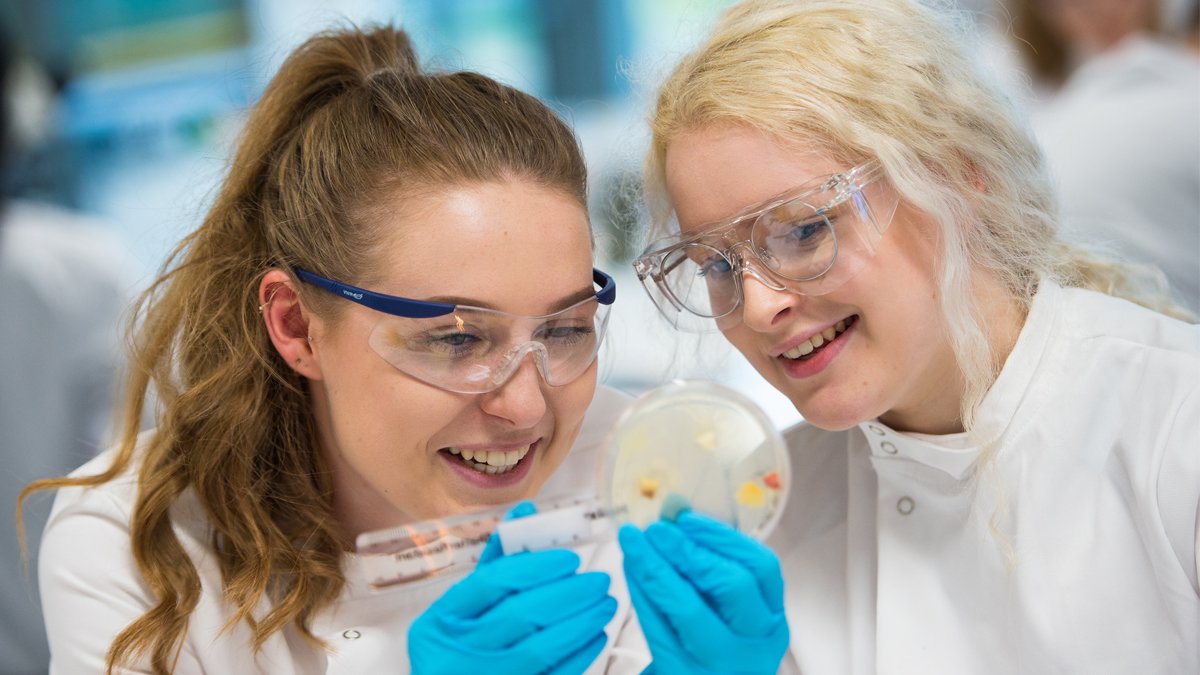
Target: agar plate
x=700, y=443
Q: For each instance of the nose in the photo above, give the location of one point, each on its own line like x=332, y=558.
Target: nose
x=519, y=401
x=765, y=303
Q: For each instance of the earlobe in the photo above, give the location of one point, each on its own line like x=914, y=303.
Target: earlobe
x=288, y=323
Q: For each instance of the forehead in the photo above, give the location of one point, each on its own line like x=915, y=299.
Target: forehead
x=716, y=173
x=512, y=245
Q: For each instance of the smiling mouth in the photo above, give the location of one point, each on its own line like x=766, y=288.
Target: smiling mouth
x=490, y=461
x=810, y=347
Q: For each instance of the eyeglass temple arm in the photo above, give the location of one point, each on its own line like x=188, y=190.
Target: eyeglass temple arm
x=420, y=309
x=415, y=309
x=608, y=287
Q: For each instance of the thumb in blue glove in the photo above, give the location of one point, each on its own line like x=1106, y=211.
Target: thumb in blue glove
x=493, y=549
x=525, y=613
x=709, y=598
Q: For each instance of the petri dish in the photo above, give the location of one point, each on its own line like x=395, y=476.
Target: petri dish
x=699, y=443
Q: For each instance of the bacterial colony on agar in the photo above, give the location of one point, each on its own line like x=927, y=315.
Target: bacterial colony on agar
x=701, y=444
x=689, y=444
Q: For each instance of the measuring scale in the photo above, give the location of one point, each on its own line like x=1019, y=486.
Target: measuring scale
x=685, y=444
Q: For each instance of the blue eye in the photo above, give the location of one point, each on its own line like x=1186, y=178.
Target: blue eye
x=806, y=233
x=456, y=339
x=456, y=344
x=717, y=265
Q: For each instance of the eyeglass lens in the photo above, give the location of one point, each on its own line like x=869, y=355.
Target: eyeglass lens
x=475, y=350
x=793, y=240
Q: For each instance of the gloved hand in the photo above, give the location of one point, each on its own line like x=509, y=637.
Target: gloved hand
x=524, y=613
x=709, y=598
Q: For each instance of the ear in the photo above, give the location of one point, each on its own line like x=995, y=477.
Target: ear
x=288, y=323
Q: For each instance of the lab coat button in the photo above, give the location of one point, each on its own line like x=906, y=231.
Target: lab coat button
x=875, y=430
x=351, y=634
x=905, y=505
x=888, y=447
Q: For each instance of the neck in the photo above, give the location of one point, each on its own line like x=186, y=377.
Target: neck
x=938, y=409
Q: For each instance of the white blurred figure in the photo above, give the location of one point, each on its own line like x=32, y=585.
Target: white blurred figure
x=63, y=289
x=1122, y=132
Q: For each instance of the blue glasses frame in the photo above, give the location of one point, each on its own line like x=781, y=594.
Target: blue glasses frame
x=423, y=309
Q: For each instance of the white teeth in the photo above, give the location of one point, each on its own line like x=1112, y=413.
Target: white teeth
x=491, y=461
x=816, y=341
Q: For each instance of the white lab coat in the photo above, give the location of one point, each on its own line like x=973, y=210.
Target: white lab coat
x=1075, y=551
x=91, y=588
x=64, y=287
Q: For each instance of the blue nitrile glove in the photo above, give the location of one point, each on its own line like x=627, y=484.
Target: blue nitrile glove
x=709, y=598
x=524, y=613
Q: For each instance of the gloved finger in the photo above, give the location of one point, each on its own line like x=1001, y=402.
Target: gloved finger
x=579, y=661
x=680, y=604
x=729, y=543
x=502, y=577
x=665, y=645
x=557, y=645
x=729, y=587
x=492, y=549
x=688, y=631
x=520, y=615
x=434, y=651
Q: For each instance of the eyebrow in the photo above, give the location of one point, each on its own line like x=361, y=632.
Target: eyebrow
x=757, y=209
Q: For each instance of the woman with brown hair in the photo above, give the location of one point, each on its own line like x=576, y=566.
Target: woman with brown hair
x=389, y=314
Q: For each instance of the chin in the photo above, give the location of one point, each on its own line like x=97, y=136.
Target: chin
x=833, y=423
x=831, y=416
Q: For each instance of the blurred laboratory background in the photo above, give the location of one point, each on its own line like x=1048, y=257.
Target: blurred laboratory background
x=137, y=103
x=120, y=115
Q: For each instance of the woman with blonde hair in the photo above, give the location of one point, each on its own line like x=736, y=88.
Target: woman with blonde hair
x=390, y=314
x=997, y=471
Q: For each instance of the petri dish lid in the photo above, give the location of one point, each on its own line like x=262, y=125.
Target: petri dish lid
x=699, y=443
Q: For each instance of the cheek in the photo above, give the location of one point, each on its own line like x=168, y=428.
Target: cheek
x=357, y=383
x=374, y=407
x=570, y=403
x=742, y=339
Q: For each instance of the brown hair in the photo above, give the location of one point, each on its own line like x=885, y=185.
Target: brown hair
x=347, y=122
x=1045, y=51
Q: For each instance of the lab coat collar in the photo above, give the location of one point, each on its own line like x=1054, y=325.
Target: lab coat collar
x=955, y=454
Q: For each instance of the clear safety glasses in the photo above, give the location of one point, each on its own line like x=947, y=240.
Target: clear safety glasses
x=810, y=240
x=472, y=350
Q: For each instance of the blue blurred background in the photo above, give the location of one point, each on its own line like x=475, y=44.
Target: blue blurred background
x=144, y=99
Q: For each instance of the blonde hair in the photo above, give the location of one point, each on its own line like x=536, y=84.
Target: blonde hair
x=893, y=80
x=348, y=123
